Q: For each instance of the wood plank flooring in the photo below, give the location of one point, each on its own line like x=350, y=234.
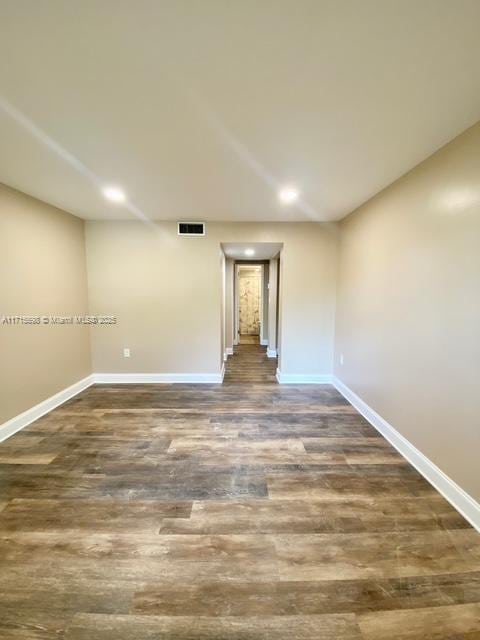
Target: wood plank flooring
x=248, y=339
x=243, y=511
x=249, y=364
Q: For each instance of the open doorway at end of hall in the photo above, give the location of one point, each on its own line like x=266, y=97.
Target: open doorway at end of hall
x=250, y=311
x=251, y=319
x=251, y=298
x=256, y=301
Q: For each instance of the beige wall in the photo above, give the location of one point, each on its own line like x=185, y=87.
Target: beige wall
x=265, y=323
x=166, y=291
x=408, y=315
x=272, y=304
x=223, y=328
x=229, y=310
x=43, y=272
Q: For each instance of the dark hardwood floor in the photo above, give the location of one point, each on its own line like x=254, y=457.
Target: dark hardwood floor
x=243, y=511
x=250, y=364
x=248, y=339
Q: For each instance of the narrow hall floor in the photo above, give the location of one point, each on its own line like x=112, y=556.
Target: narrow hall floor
x=250, y=364
x=225, y=512
x=248, y=339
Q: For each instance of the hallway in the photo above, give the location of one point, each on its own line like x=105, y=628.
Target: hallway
x=250, y=364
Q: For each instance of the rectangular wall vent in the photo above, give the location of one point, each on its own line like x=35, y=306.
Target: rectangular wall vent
x=191, y=228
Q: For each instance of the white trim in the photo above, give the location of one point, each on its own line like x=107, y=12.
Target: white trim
x=264, y=342
x=271, y=353
x=157, y=378
x=303, y=378
x=19, y=422
x=260, y=310
x=458, y=498
x=229, y=351
x=236, y=325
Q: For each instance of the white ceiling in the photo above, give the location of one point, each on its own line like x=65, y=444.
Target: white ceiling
x=263, y=250
x=200, y=109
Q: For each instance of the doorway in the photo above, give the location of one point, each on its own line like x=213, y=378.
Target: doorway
x=250, y=303
x=250, y=311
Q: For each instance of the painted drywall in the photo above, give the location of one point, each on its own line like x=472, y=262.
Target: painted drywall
x=43, y=274
x=223, y=328
x=272, y=305
x=408, y=314
x=229, y=311
x=166, y=292
x=200, y=107
x=265, y=279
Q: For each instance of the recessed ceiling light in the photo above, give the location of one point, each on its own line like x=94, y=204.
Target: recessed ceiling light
x=287, y=195
x=114, y=194
x=249, y=252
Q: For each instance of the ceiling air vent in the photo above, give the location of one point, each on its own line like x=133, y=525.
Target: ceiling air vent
x=191, y=228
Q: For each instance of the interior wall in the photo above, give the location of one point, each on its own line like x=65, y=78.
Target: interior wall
x=280, y=306
x=408, y=313
x=272, y=305
x=229, y=309
x=223, y=328
x=265, y=323
x=42, y=251
x=166, y=292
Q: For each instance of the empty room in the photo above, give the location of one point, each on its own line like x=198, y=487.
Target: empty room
x=239, y=320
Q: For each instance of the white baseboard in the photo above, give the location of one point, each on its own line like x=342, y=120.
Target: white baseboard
x=303, y=378
x=264, y=342
x=458, y=498
x=271, y=353
x=19, y=422
x=158, y=378
x=229, y=351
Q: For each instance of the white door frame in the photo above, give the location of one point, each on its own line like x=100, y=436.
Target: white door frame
x=236, y=308
x=262, y=277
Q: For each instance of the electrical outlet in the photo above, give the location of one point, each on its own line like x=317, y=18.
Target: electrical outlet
x=126, y=353
x=341, y=358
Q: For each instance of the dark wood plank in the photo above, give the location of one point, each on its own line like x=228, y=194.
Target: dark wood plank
x=459, y=622
x=101, y=516
x=249, y=364
x=313, y=597
x=328, y=627
x=317, y=516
